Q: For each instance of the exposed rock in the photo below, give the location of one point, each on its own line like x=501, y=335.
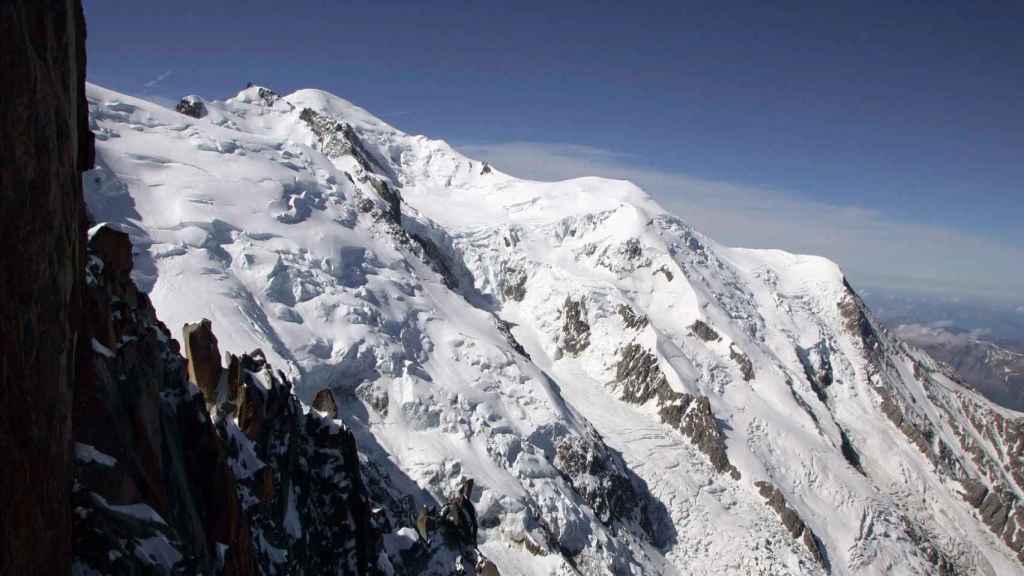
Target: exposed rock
x=203, y=357
x=704, y=332
x=315, y=477
x=325, y=403
x=664, y=270
x=638, y=375
x=632, y=250
x=849, y=452
x=280, y=492
x=433, y=256
x=817, y=365
x=743, y=361
x=631, y=319
x=857, y=323
x=46, y=144
x=337, y=138
x=693, y=417
x=974, y=492
x=134, y=405
x=449, y=533
x=575, y=337
x=641, y=380
x=505, y=328
x=594, y=475
x=192, y=106
x=268, y=96
x=514, y=286
x=375, y=395
x=1000, y=509
x=486, y=169
x=792, y=522
x=392, y=197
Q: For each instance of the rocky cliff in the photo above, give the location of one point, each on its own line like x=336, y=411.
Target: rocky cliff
x=120, y=455
x=185, y=464
x=46, y=144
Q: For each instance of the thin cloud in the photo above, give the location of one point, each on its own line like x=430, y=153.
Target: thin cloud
x=155, y=81
x=875, y=249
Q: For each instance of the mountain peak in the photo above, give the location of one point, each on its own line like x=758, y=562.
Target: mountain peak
x=626, y=393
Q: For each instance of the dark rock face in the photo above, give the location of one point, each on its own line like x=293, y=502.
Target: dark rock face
x=856, y=322
x=505, y=328
x=325, y=402
x=641, y=380
x=299, y=478
x=849, y=452
x=337, y=138
x=268, y=96
x=664, y=270
x=693, y=417
x=743, y=362
x=514, y=287
x=575, y=329
x=232, y=479
x=593, y=473
x=998, y=507
x=704, y=332
x=192, y=106
x=792, y=522
x=46, y=145
x=203, y=357
x=392, y=197
x=433, y=256
x=154, y=490
x=817, y=364
x=631, y=318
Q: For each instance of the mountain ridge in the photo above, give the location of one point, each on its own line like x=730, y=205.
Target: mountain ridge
x=562, y=344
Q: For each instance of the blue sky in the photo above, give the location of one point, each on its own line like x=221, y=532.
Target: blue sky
x=890, y=138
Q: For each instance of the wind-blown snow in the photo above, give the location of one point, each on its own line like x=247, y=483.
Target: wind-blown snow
x=284, y=238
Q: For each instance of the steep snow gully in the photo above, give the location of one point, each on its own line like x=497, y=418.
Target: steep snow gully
x=628, y=396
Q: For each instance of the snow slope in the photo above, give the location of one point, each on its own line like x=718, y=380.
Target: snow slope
x=629, y=395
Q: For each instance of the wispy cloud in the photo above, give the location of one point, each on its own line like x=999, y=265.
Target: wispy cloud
x=155, y=81
x=875, y=249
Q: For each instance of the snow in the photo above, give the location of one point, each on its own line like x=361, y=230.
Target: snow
x=157, y=550
x=89, y=454
x=243, y=218
x=138, y=511
x=101, y=349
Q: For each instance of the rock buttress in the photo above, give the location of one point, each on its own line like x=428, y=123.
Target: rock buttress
x=46, y=145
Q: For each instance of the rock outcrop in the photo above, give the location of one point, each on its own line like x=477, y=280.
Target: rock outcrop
x=154, y=489
x=187, y=465
x=704, y=332
x=792, y=522
x=575, y=335
x=192, y=106
x=641, y=380
x=46, y=144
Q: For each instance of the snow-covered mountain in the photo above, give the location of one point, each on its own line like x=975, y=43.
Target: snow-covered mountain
x=994, y=369
x=628, y=395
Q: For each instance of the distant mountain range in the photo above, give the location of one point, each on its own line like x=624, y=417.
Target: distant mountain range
x=995, y=370
x=981, y=341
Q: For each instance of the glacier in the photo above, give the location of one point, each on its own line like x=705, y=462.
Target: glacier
x=628, y=395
